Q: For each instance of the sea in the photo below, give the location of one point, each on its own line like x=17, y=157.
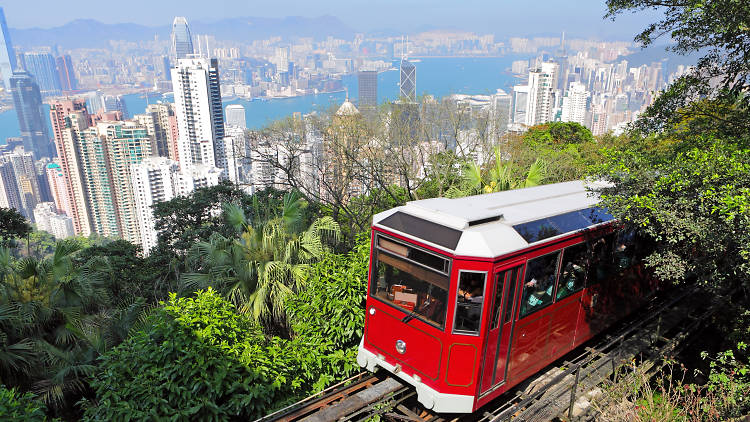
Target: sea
x=438, y=77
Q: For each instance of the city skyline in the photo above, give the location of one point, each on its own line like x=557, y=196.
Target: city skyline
x=543, y=17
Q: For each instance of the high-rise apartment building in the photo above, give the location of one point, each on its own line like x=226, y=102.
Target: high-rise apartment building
x=7, y=54
x=542, y=87
x=68, y=119
x=236, y=116
x=198, y=107
x=126, y=144
x=182, y=40
x=574, y=103
x=158, y=122
x=27, y=100
x=26, y=178
x=68, y=80
x=159, y=179
x=9, y=195
x=408, y=81
x=520, y=104
x=43, y=67
x=48, y=219
x=56, y=181
x=368, y=88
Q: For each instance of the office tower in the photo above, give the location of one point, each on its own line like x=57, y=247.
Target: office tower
x=542, y=83
x=500, y=111
x=574, y=103
x=368, y=88
x=408, y=82
x=56, y=181
x=28, y=103
x=68, y=80
x=159, y=179
x=69, y=118
x=51, y=221
x=200, y=118
x=165, y=68
x=94, y=102
x=43, y=68
x=7, y=55
x=9, y=196
x=236, y=116
x=182, y=41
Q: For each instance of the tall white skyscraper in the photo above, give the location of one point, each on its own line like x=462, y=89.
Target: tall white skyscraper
x=542, y=85
x=200, y=118
x=574, y=103
x=158, y=179
x=236, y=116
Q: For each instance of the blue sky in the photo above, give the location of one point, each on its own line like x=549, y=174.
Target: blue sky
x=522, y=17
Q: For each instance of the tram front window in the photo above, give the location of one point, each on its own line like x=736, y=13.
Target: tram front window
x=404, y=282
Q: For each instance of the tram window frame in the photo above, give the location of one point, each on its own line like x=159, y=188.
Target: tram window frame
x=402, y=254
x=526, y=309
x=497, y=301
x=583, y=266
x=481, y=304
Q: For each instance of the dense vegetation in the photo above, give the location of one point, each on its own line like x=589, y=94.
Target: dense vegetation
x=250, y=302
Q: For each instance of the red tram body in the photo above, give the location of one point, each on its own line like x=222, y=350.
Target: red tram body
x=470, y=296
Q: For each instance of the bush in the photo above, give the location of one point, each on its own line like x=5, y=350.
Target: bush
x=197, y=358
x=16, y=407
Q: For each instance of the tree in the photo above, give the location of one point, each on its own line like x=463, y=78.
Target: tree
x=266, y=263
x=718, y=30
x=12, y=226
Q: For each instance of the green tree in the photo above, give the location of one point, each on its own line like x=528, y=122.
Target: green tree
x=12, y=226
x=265, y=263
x=17, y=407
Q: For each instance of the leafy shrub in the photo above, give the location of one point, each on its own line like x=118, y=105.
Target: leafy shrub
x=197, y=358
x=328, y=315
x=16, y=407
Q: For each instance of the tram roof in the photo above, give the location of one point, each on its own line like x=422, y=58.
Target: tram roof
x=495, y=224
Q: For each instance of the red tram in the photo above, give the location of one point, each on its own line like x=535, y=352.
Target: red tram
x=470, y=296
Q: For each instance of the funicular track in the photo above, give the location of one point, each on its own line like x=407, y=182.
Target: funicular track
x=562, y=391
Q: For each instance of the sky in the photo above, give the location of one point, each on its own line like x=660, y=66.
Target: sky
x=581, y=18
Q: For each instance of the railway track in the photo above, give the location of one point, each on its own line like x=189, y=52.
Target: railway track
x=561, y=391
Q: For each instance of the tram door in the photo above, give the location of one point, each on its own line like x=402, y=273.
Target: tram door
x=500, y=327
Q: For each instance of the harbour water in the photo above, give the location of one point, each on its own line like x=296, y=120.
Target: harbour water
x=435, y=76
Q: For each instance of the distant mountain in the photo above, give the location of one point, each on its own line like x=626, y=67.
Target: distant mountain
x=87, y=33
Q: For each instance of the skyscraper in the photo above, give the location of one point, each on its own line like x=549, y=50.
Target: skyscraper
x=43, y=68
x=28, y=103
x=7, y=55
x=542, y=86
x=198, y=108
x=68, y=80
x=368, y=88
x=408, y=82
x=236, y=116
x=182, y=40
x=9, y=196
x=165, y=66
x=69, y=118
x=574, y=103
x=159, y=179
x=56, y=181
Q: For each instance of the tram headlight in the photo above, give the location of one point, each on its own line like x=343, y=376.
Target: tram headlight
x=372, y=311
x=401, y=346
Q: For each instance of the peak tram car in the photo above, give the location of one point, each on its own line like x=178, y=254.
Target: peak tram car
x=470, y=296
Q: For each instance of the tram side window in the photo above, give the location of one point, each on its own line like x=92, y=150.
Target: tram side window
x=573, y=271
x=625, y=250
x=469, y=302
x=539, y=283
x=600, y=256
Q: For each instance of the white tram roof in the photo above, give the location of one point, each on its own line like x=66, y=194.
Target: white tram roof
x=483, y=225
